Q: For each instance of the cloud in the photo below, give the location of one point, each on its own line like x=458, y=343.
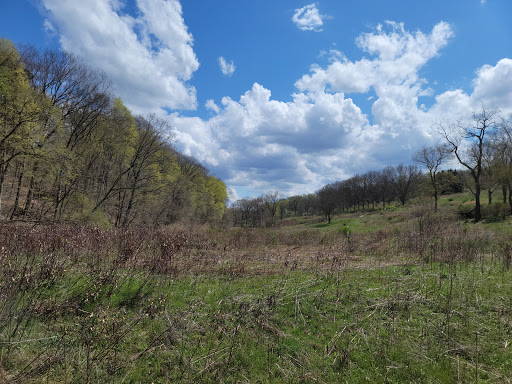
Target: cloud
x=49, y=28
x=210, y=104
x=226, y=68
x=308, y=18
x=267, y=144
x=493, y=84
x=256, y=143
x=149, y=57
x=321, y=135
x=398, y=57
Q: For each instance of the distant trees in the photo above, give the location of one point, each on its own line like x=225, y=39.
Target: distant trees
x=72, y=152
x=450, y=181
x=271, y=201
x=362, y=191
x=259, y=211
x=483, y=146
x=404, y=179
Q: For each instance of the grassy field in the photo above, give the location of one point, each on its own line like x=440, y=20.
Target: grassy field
x=389, y=296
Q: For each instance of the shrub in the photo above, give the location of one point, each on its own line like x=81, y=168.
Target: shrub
x=467, y=210
x=495, y=212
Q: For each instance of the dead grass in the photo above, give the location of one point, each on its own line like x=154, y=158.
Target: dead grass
x=71, y=297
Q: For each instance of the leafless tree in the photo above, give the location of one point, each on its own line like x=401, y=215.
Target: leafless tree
x=327, y=200
x=432, y=158
x=467, y=141
x=271, y=200
x=404, y=178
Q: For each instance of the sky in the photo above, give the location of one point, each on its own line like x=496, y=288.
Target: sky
x=287, y=95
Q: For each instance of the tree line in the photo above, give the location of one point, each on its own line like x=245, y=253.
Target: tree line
x=480, y=144
x=72, y=151
x=367, y=191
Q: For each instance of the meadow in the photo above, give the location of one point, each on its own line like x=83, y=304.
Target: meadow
x=395, y=295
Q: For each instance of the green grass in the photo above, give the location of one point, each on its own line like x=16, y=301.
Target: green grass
x=410, y=296
x=416, y=323
x=360, y=222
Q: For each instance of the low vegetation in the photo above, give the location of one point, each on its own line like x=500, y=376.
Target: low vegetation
x=396, y=295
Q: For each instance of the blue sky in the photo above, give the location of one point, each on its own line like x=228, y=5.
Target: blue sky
x=287, y=95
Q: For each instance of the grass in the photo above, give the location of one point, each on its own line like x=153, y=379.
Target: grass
x=404, y=295
x=391, y=324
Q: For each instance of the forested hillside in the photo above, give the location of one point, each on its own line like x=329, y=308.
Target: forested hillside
x=71, y=151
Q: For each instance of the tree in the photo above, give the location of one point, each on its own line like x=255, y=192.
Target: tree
x=467, y=141
x=80, y=155
x=450, y=181
x=502, y=157
x=404, y=178
x=491, y=175
x=271, y=200
x=20, y=111
x=294, y=203
x=327, y=200
x=432, y=158
x=309, y=203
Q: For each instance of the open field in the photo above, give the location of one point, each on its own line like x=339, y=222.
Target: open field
x=400, y=295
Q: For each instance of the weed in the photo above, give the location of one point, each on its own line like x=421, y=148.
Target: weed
x=423, y=299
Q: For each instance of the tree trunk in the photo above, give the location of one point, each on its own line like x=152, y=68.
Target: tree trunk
x=28, y=200
x=489, y=193
x=435, y=200
x=478, y=212
x=1, y=190
x=510, y=197
x=128, y=212
x=15, y=208
x=504, y=189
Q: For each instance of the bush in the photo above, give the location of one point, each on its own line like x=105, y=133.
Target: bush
x=344, y=230
x=467, y=210
x=495, y=212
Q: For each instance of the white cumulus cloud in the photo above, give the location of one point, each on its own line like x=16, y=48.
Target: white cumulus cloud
x=257, y=143
x=308, y=18
x=149, y=58
x=210, y=104
x=227, y=68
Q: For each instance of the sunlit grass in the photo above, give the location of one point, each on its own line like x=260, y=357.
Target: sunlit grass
x=396, y=295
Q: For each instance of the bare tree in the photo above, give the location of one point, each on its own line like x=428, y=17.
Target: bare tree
x=501, y=164
x=459, y=134
x=404, y=178
x=327, y=200
x=271, y=200
x=432, y=158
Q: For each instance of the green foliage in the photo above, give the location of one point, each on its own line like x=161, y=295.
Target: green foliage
x=83, y=212
x=85, y=157
x=495, y=212
x=345, y=230
x=450, y=181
